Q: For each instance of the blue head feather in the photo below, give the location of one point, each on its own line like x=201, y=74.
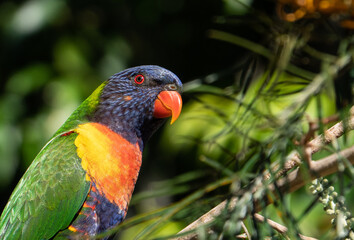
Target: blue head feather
x=127, y=107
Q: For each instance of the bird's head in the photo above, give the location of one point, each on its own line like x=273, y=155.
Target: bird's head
x=135, y=102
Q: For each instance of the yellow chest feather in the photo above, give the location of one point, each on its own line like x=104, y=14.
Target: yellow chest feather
x=110, y=161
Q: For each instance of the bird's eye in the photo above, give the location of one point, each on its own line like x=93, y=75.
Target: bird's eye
x=139, y=79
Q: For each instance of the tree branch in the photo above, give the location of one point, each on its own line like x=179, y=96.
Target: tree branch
x=316, y=144
x=320, y=168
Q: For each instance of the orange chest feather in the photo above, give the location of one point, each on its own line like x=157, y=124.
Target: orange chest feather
x=110, y=161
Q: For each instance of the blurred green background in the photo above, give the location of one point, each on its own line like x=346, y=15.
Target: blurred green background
x=54, y=53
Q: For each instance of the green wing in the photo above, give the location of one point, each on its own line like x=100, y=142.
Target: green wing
x=49, y=194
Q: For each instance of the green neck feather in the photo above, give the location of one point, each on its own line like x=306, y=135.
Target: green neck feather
x=81, y=114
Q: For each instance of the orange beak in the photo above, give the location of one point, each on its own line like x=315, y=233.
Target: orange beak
x=168, y=103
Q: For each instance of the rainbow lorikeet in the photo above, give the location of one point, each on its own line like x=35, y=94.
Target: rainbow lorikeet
x=81, y=182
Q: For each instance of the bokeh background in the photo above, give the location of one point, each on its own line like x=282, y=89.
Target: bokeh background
x=54, y=53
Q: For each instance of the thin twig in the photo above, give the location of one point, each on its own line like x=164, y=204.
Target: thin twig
x=334, y=132
x=246, y=231
x=278, y=227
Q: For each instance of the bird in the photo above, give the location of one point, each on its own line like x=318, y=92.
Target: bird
x=81, y=182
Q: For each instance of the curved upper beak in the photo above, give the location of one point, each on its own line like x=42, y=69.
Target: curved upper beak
x=168, y=103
